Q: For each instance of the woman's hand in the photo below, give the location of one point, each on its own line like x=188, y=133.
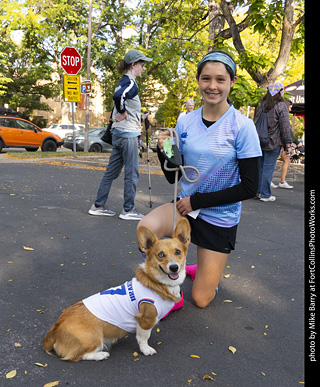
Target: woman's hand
x=161, y=137
x=184, y=206
x=121, y=117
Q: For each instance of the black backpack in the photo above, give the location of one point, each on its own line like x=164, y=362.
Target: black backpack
x=262, y=128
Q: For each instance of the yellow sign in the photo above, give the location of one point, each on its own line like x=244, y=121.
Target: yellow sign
x=71, y=88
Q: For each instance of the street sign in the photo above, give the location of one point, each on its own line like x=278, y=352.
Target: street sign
x=70, y=60
x=71, y=88
x=86, y=87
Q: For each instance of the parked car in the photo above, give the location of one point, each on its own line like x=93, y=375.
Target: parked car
x=154, y=139
x=20, y=133
x=95, y=142
x=62, y=129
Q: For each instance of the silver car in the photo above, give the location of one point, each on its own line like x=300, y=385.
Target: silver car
x=95, y=142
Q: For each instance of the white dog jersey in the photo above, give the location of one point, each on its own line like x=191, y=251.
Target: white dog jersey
x=119, y=305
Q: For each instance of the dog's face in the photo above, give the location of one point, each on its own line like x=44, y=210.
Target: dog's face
x=166, y=258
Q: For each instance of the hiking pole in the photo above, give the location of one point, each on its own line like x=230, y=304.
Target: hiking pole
x=175, y=159
x=146, y=122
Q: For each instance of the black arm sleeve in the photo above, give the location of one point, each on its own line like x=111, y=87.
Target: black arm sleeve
x=249, y=175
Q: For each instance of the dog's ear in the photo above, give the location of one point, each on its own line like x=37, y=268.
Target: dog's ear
x=146, y=239
x=182, y=231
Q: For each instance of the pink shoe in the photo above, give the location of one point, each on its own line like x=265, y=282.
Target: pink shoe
x=191, y=270
x=176, y=306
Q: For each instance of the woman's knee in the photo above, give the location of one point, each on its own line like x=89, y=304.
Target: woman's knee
x=159, y=221
x=202, y=300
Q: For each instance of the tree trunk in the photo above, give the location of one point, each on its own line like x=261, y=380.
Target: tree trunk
x=288, y=28
x=216, y=21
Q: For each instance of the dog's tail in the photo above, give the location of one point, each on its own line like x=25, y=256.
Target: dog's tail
x=50, y=339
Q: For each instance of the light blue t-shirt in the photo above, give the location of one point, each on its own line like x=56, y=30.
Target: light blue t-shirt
x=215, y=151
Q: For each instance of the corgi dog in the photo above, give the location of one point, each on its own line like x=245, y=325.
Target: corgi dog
x=87, y=329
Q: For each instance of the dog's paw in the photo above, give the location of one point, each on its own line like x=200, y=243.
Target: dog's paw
x=147, y=350
x=101, y=355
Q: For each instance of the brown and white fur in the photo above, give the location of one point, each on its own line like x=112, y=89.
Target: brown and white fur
x=79, y=335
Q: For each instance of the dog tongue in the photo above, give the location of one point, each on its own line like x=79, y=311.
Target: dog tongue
x=174, y=276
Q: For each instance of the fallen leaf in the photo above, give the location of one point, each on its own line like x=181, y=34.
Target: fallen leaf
x=135, y=354
x=208, y=377
x=158, y=330
x=227, y=301
x=263, y=374
x=253, y=267
x=227, y=275
x=52, y=384
x=232, y=349
x=195, y=356
x=41, y=365
x=11, y=374
x=28, y=248
x=17, y=345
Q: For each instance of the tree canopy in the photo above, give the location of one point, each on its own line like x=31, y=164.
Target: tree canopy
x=266, y=39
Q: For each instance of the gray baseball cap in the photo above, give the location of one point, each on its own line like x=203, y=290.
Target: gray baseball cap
x=133, y=56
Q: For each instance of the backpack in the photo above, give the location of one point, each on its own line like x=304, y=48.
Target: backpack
x=262, y=128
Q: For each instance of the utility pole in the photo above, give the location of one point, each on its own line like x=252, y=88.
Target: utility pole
x=86, y=130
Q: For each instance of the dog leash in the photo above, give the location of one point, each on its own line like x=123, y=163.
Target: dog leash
x=176, y=160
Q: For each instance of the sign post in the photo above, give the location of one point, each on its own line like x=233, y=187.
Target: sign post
x=70, y=61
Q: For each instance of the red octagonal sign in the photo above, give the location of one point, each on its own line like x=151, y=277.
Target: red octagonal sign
x=70, y=60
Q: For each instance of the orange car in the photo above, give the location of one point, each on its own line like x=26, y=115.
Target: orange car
x=19, y=133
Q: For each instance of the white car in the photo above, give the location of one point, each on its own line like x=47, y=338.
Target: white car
x=62, y=129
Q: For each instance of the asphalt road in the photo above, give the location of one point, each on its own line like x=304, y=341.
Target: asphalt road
x=44, y=207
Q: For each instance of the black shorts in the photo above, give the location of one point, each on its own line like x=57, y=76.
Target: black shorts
x=211, y=237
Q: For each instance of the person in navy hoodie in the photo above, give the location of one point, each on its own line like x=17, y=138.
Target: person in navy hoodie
x=125, y=130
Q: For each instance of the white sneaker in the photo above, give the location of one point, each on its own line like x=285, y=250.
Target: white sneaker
x=285, y=185
x=270, y=199
x=131, y=215
x=273, y=185
x=102, y=210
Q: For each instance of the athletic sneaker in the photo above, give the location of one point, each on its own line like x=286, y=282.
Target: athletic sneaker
x=102, y=210
x=272, y=185
x=131, y=215
x=285, y=185
x=270, y=199
x=191, y=270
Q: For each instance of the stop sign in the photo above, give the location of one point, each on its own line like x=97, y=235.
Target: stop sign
x=70, y=60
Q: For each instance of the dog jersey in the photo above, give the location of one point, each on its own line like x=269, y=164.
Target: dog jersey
x=119, y=305
x=215, y=151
